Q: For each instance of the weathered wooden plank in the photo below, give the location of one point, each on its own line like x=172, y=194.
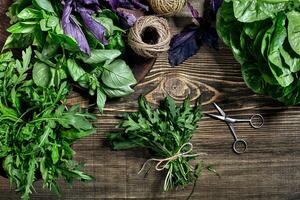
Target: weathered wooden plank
x=269, y=170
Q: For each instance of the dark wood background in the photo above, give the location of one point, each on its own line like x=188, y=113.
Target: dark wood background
x=269, y=170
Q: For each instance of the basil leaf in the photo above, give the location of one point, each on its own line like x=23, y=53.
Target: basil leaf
x=117, y=74
x=101, y=99
x=74, y=69
x=30, y=13
x=99, y=56
x=118, y=92
x=44, y=4
x=22, y=27
x=41, y=74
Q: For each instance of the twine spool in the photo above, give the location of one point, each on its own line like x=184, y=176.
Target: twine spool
x=150, y=36
x=167, y=7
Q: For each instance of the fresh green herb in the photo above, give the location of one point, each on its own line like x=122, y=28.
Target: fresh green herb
x=166, y=132
x=36, y=130
x=59, y=52
x=264, y=37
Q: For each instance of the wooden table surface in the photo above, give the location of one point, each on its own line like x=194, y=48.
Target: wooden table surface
x=269, y=170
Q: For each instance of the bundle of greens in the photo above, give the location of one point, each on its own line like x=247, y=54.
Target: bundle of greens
x=264, y=38
x=36, y=130
x=73, y=39
x=166, y=132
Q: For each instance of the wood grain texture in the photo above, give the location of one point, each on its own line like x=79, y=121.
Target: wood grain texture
x=269, y=170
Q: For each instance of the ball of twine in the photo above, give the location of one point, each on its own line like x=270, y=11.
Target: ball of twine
x=167, y=7
x=150, y=36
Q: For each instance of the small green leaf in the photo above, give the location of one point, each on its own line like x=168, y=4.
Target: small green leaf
x=55, y=154
x=101, y=99
x=74, y=69
x=23, y=27
x=44, y=4
x=99, y=56
x=30, y=13
x=41, y=74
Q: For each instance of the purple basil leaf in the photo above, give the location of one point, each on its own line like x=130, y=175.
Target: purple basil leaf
x=194, y=12
x=93, y=26
x=89, y=2
x=210, y=38
x=129, y=16
x=140, y=5
x=215, y=5
x=184, y=45
x=129, y=4
x=128, y=10
x=72, y=29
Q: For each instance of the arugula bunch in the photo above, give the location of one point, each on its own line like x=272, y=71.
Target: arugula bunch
x=76, y=41
x=264, y=38
x=36, y=130
x=165, y=132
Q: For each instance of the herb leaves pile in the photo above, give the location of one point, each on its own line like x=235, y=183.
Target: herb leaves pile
x=36, y=130
x=164, y=132
x=76, y=41
x=264, y=38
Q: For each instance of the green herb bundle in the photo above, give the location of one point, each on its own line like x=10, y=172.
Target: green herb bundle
x=36, y=130
x=99, y=69
x=264, y=38
x=166, y=132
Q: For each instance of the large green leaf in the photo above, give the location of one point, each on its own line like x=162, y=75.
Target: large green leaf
x=256, y=10
x=117, y=74
x=294, y=30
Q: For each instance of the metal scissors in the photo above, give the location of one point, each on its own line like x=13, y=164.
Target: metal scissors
x=256, y=121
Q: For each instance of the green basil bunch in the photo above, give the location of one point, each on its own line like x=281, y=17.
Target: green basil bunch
x=265, y=39
x=58, y=56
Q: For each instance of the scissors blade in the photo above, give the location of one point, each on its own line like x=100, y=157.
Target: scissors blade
x=219, y=109
x=218, y=117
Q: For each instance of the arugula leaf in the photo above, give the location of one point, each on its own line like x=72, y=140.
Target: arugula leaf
x=36, y=131
x=163, y=131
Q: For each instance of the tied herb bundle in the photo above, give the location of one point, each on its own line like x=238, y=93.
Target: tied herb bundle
x=36, y=130
x=166, y=132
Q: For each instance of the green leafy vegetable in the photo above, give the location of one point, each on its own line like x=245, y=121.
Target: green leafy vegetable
x=36, y=130
x=166, y=132
x=39, y=23
x=264, y=38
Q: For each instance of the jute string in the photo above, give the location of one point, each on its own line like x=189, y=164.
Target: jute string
x=167, y=7
x=164, y=162
x=135, y=36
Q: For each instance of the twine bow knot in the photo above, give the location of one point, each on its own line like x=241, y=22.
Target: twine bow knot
x=164, y=162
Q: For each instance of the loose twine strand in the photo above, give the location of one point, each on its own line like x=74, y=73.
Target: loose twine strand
x=164, y=162
x=167, y=7
x=135, y=40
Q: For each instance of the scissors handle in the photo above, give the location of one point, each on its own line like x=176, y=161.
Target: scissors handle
x=238, y=150
x=257, y=121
